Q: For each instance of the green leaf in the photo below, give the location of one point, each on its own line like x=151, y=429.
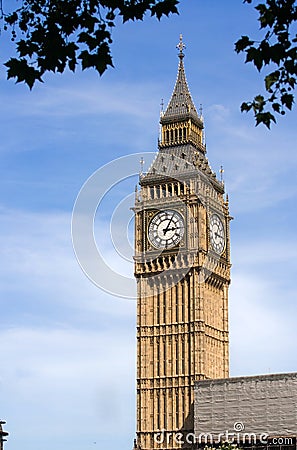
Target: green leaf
x=165, y=7
x=243, y=43
x=72, y=64
x=271, y=79
x=276, y=107
x=245, y=107
x=49, y=26
x=89, y=40
x=266, y=118
x=277, y=52
x=22, y=72
x=11, y=19
x=277, y=48
x=254, y=55
x=99, y=60
x=264, y=49
x=287, y=100
x=259, y=99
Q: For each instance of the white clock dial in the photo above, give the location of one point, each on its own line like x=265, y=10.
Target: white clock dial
x=166, y=229
x=217, y=234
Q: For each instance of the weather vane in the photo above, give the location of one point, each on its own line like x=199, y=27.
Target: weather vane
x=181, y=46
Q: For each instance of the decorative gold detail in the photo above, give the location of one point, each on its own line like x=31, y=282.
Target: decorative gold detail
x=180, y=46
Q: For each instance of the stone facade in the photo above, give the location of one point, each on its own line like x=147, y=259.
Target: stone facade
x=182, y=267
x=262, y=406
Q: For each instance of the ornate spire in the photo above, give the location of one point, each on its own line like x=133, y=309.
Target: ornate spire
x=181, y=105
x=180, y=123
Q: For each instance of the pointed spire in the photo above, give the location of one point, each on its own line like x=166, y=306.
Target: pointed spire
x=181, y=105
x=180, y=123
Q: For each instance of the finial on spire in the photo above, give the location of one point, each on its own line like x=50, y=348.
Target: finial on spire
x=181, y=46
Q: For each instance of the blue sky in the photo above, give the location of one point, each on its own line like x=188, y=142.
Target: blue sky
x=67, y=348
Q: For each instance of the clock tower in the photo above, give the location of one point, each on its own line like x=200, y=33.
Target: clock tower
x=182, y=268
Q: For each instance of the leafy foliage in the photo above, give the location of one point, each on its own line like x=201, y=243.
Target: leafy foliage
x=53, y=35
x=60, y=34
x=278, y=48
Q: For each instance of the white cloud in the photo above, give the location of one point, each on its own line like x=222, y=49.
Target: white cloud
x=78, y=98
x=76, y=115
x=263, y=305
x=263, y=253
x=39, y=262
x=262, y=330
x=66, y=378
x=259, y=165
x=67, y=348
x=218, y=113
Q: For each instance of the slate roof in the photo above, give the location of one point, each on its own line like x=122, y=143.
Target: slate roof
x=180, y=162
x=261, y=405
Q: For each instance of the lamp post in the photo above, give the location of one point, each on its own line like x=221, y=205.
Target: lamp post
x=3, y=434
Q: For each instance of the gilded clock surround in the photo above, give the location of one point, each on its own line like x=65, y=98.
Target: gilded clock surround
x=182, y=292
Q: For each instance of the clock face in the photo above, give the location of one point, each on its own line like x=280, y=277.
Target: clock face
x=217, y=234
x=166, y=229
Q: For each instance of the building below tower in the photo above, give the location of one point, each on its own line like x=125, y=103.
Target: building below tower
x=253, y=412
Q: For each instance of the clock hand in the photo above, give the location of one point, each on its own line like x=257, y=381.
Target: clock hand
x=167, y=228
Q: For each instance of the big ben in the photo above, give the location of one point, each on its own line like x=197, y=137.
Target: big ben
x=182, y=268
